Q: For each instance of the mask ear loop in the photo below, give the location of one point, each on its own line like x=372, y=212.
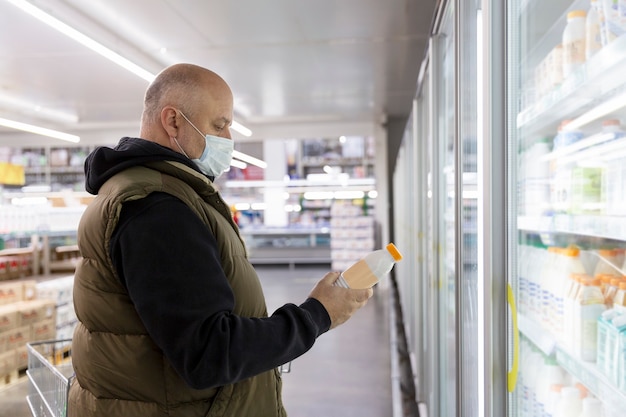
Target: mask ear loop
x=180, y=147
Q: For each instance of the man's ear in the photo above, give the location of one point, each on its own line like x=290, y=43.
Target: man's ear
x=169, y=121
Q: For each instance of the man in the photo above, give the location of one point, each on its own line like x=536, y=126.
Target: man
x=172, y=317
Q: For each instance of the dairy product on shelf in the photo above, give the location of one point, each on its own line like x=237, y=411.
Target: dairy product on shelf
x=565, y=136
x=570, y=403
x=591, y=407
x=568, y=309
x=611, y=291
x=550, y=374
x=561, y=173
x=574, y=42
x=586, y=190
x=588, y=307
x=569, y=264
x=593, y=41
x=536, y=178
x=613, y=27
x=608, y=262
x=607, y=341
x=613, y=126
x=619, y=301
x=613, y=186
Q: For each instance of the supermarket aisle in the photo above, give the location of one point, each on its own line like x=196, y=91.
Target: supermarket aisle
x=346, y=373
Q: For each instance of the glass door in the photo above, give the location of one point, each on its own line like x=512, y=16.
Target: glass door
x=567, y=109
x=444, y=210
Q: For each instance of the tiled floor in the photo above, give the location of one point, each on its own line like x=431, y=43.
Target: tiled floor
x=345, y=374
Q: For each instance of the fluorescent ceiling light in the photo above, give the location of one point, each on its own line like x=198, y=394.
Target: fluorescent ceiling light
x=98, y=48
x=249, y=159
x=238, y=164
x=238, y=127
x=82, y=39
x=348, y=195
x=39, y=130
x=36, y=110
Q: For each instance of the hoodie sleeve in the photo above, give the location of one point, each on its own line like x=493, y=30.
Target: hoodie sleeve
x=187, y=305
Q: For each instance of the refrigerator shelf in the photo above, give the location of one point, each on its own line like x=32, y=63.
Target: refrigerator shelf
x=612, y=397
x=586, y=372
x=607, y=227
x=536, y=334
x=593, y=83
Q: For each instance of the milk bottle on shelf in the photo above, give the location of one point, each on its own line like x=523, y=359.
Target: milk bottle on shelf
x=619, y=301
x=607, y=262
x=574, y=42
x=613, y=28
x=551, y=374
x=569, y=264
x=593, y=39
x=568, y=309
x=537, y=178
x=591, y=407
x=588, y=308
x=611, y=291
x=570, y=404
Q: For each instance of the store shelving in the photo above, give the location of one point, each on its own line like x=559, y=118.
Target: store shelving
x=594, y=380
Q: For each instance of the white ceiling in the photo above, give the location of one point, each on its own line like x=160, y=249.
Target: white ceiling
x=290, y=63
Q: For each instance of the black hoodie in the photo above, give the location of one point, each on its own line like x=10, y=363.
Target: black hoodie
x=160, y=234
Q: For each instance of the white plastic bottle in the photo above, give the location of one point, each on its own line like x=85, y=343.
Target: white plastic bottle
x=608, y=262
x=572, y=265
x=588, y=308
x=591, y=407
x=570, y=403
x=613, y=28
x=593, y=40
x=550, y=374
x=537, y=178
x=366, y=272
x=574, y=41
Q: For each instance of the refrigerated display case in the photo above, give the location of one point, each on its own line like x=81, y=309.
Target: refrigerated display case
x=439, y=220
x=567, y=103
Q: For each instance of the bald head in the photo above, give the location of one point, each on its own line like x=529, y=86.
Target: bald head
x=186, y=87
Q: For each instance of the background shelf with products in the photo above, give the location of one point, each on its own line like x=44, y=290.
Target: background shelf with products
x=287, y=245
x=353, y=233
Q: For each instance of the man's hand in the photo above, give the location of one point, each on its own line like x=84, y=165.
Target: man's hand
x=340, y=303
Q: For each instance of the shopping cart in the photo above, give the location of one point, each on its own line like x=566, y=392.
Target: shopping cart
x=50, y=374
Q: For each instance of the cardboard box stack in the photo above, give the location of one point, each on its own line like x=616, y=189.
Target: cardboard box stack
x=23, y=318
x=60, y=291
x=352, y=234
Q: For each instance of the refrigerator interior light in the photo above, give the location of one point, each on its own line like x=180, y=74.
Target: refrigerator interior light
x=38, y=130
x=607, y=107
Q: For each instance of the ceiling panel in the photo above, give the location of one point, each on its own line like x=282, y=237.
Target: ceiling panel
x=286, y=61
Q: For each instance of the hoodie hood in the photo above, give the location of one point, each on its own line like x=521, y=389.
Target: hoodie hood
x=105, y=162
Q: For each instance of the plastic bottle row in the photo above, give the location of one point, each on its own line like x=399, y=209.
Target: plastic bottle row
x=585, y=33
x=580, y=301
x=573, y=185
x=548, y=390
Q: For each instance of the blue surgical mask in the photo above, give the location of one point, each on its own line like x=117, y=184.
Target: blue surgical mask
x=217, y=154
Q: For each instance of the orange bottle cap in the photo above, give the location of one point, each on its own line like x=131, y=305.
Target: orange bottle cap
x=391, y=248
